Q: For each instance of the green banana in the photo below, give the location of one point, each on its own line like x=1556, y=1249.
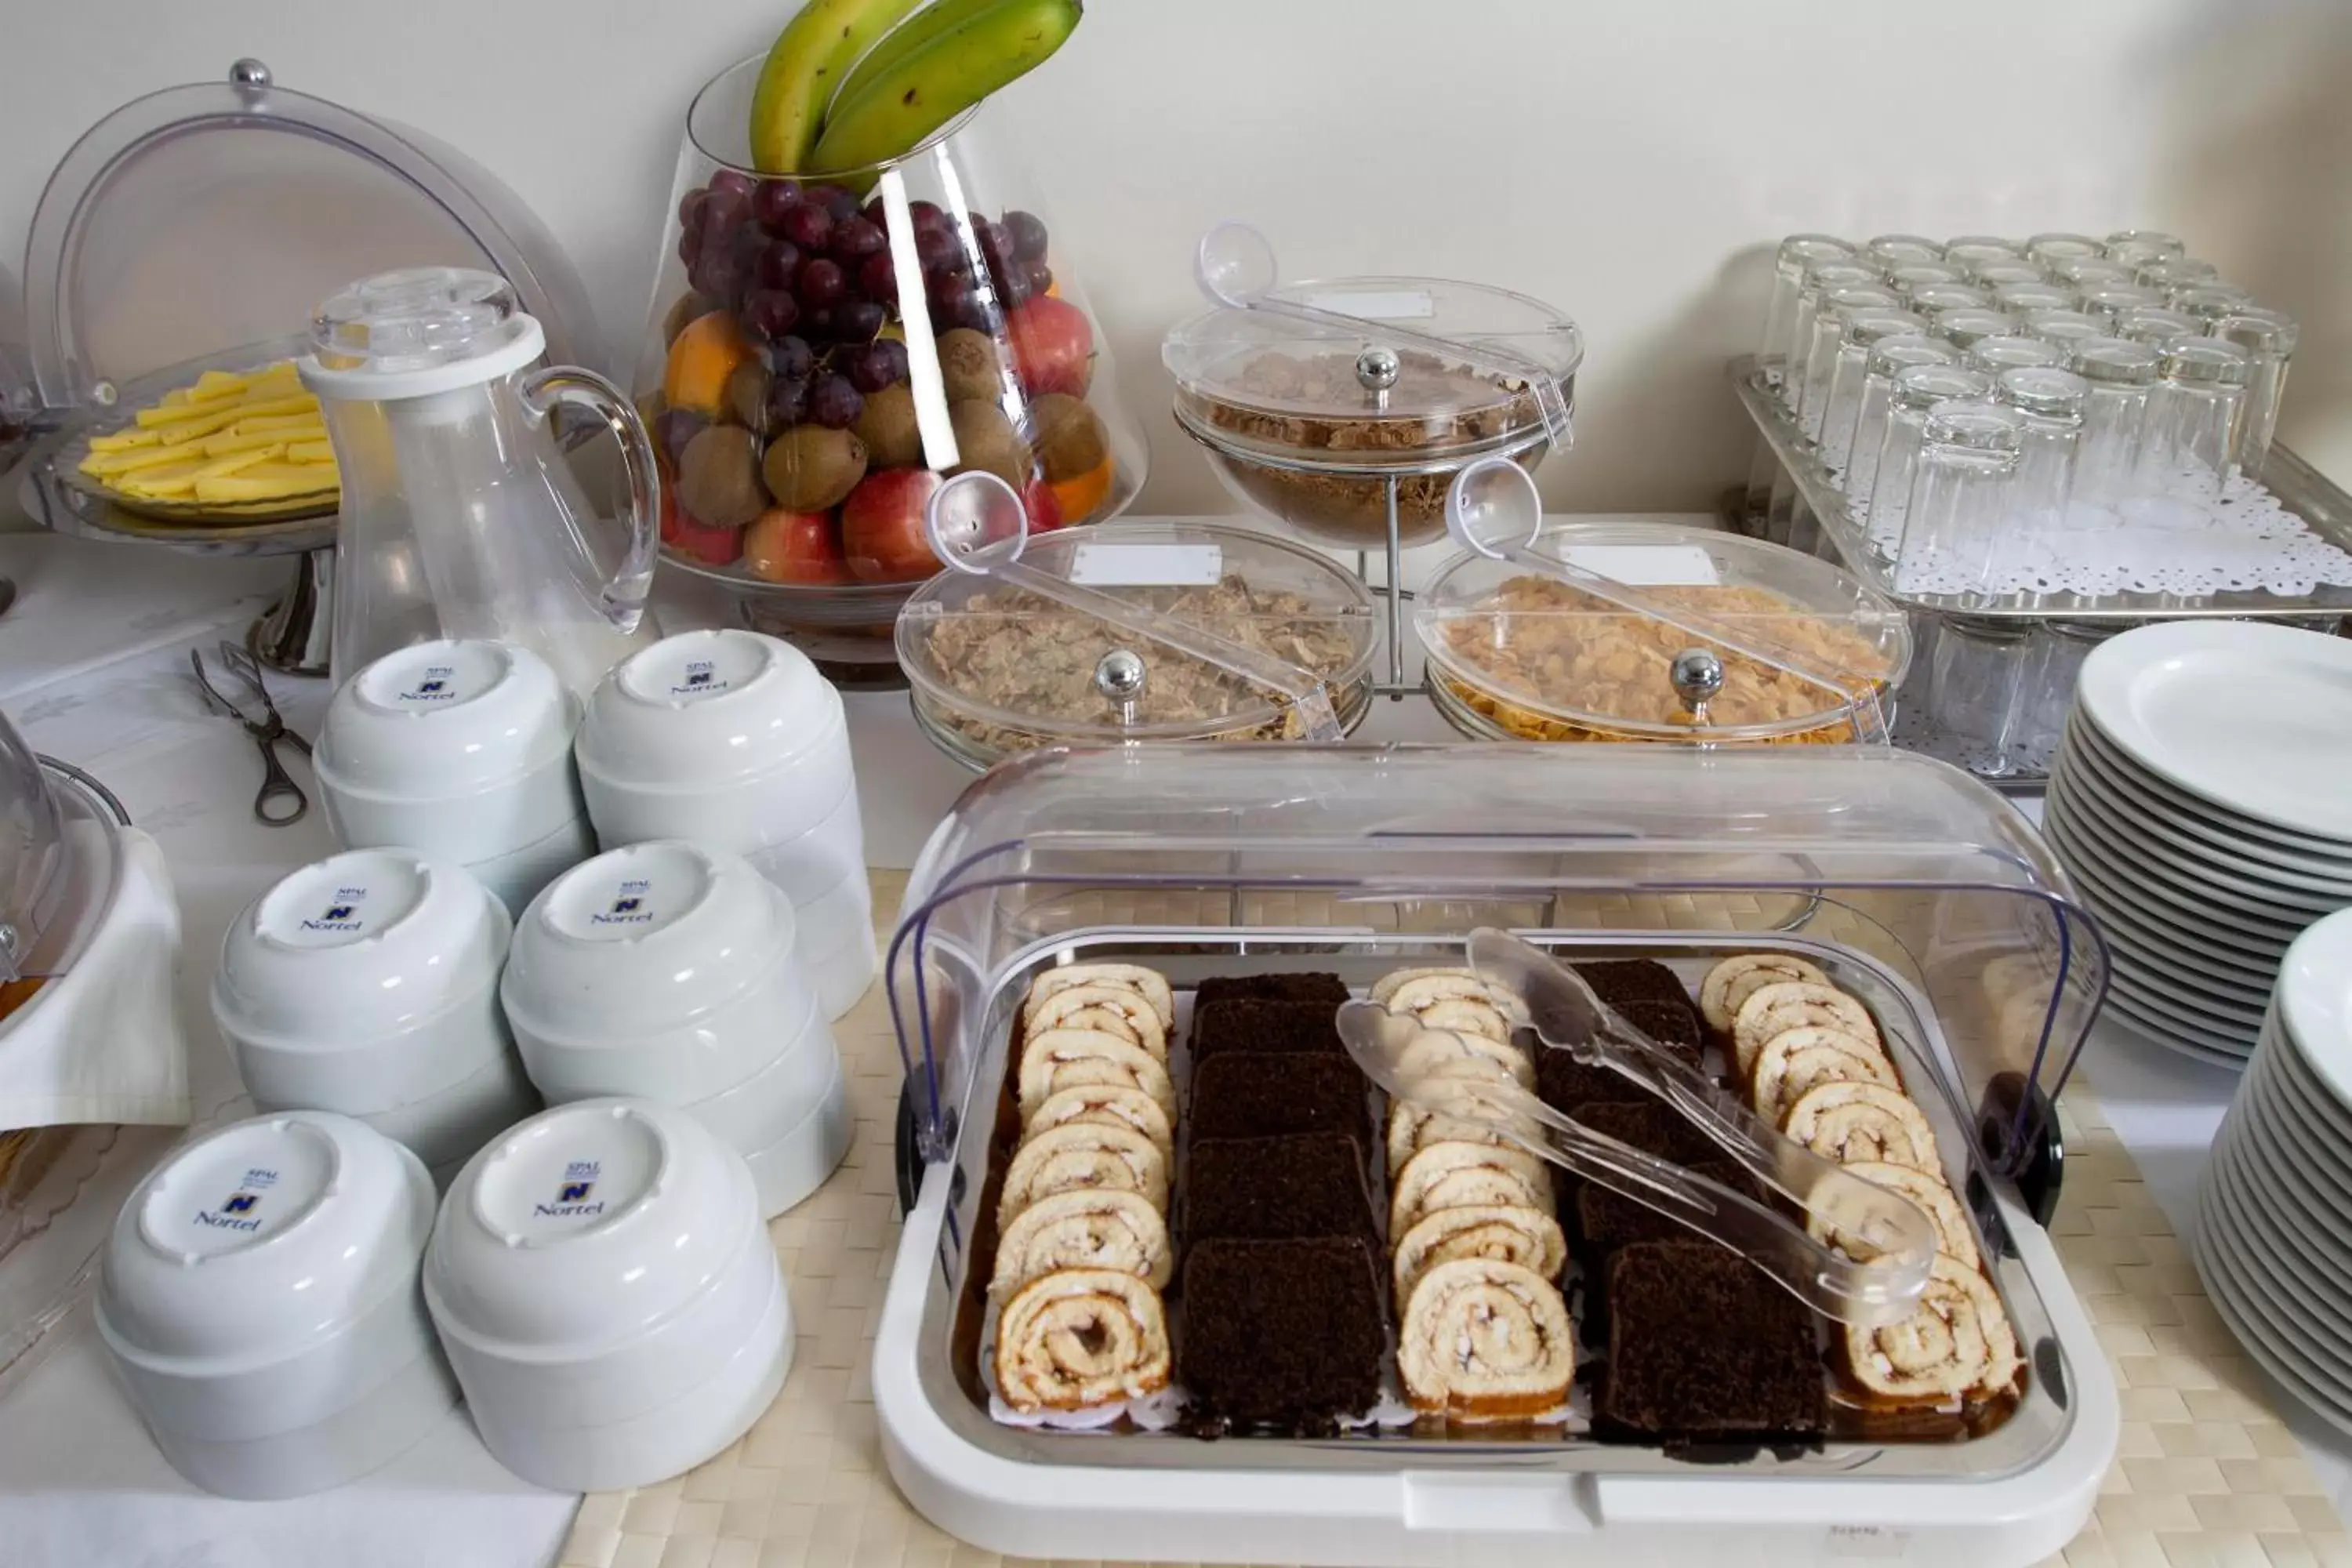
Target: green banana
x=915, y=33
x=811, y=57
x=940, y=78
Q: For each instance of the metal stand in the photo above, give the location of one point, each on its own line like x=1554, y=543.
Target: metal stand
x=1396, y=689
x=292, y=637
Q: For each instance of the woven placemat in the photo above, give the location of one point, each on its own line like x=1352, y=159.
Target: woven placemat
x=2206, y=1474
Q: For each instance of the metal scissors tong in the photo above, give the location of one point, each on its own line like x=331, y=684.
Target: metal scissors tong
x=277, y=786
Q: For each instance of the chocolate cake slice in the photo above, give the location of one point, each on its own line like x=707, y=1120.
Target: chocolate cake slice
x=1284, y=1333
x=1674, y=1025
x=1329, y=989
x=1704, y=1348
x=1275, y=1189
x=1253, y=1025
x=1623, y=981
x=1247, y=1094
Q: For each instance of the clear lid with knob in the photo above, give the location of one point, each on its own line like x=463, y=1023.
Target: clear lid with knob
x=1126, y=632
x=1627, y=631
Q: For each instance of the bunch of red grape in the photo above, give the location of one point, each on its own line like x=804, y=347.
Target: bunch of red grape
x=810, y=276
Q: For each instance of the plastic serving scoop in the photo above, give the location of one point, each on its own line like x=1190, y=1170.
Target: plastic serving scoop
x=976, y=523
x=1899, y=1237
x=1234, y=266
x=1493, y=509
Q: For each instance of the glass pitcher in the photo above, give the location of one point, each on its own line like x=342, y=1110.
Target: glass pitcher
x=460, y=518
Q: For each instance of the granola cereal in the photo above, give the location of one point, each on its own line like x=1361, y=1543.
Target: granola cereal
x=1571, y=651
x=1010, y=652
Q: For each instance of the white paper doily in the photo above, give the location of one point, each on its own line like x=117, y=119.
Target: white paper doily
x=2245, y=541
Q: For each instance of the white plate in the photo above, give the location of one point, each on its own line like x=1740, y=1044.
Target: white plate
x=2203, y=1046
x=2255, y=1332
x=2300, y=1150
x=2152, y=937
x=2249, y=940
x=2309, y=1323
x=2136, y=817
x=2255, y=718
x=2327, y=1125
x=2257, y=910
x=2266, y=1153
x=2315, y=995
x=2084, y=733
x=2214, y=1012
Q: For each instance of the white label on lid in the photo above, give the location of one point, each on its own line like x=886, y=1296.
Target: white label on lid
x=1399, y=305
x=1647, y=565
x=1096, y=565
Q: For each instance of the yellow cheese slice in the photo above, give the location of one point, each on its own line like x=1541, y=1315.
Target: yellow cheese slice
x=107, y=465
x=216, y=385
x=236, y=439
x=310, y=452
x=234, y=461
x=123, y=440
x=211, y=424
x=285, y=423
x=172, y=481
x=265, y=481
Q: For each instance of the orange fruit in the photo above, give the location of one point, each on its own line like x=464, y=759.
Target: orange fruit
x=706, y=353
x=1081, y=496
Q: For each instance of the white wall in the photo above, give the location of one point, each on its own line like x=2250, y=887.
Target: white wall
x=1627, y=160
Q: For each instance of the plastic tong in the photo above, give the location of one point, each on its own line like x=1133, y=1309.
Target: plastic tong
x=976, y=523
x=1891, y=1240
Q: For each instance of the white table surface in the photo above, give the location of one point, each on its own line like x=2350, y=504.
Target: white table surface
x=93, y=663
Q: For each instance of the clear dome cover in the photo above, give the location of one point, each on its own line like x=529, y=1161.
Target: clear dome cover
x=58, y=862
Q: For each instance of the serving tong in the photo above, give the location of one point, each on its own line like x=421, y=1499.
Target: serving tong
x=1892, y=1240
x=976, y=523
x=280, y=801
x=1493, y=509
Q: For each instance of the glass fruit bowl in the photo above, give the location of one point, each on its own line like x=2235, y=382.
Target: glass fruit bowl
x=802, y=415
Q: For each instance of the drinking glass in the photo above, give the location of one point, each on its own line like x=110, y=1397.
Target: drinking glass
x=2049, y=404
x=1970, y=325
x=1865, y=328
x=2090, y=271
x=1916, y=389
x=2172, y=271
x=2021, y=298
x=1888, y=358
x=1954, y=523
x=2119, y=375
x=1820, y=354
x=1993, y=273
x=2064, y=327
x=2157, y=328
x=1908, y=277
x=1994, y=355
x=2188, y=446
x=1819, y=277
x=1979, y=667
x=1930, y=298
x=2112, y=299
x=2049, y=249
x=1969, y=250
x=1890, y=250
x=2209, y=302
x=2137, y=246
x=2269, y=339
x=1788, y=265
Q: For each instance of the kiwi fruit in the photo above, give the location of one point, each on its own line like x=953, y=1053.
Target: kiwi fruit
x=1070, y=438
x=747, y=394
x=719, y=477
x=689, y=306
x=810, y=468
x=987, y=440
x=968, y=365
x=887, y=428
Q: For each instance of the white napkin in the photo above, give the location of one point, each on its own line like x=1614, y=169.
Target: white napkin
x=102, y=1043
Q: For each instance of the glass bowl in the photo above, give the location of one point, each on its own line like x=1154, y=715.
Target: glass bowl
x=803, y=415
x=1516, y=655
x=997, y=671
x=1303, y=425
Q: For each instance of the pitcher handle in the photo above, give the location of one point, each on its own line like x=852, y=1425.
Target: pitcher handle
x=622, y=598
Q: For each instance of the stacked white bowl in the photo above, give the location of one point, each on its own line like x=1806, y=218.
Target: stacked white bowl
x=732, y=741
x=258, y=1300
x=667, y=971
x=368, y=984
x=461, y=750
x=605, y=1290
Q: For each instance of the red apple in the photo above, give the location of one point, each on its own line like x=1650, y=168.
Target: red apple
x=1053, y=346
x=1043, y=507
x=697, y=541
x=795, y=547
x=882, y=526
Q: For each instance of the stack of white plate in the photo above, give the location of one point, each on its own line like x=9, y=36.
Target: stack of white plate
x=2273, y=1231
x=2202, y=803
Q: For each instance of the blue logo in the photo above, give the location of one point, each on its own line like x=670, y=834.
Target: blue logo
x=698, y=678
x=240, y=1203
x=574, y=1192
x=428, y=687
x=339, y=915
x=339, y=912
x=571, y=1192
x=626, y=906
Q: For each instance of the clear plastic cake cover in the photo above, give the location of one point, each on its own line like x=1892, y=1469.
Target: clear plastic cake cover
x=1353, y=372
x=205, y=220
x=1133, y=631
x=53, y=880
x=1155, y=850
x=1648, y=631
